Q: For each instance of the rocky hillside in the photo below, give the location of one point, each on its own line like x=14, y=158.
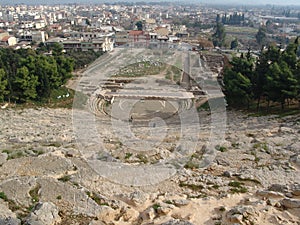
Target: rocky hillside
x=44, y=180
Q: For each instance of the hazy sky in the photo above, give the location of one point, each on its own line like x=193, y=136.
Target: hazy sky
x=241, y=2
x=257, y=2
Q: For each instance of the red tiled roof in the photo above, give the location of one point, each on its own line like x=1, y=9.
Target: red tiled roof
x=5, y=39
x=136, y=32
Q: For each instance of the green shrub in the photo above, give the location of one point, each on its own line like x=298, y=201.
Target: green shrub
x=237, y=187
x=191, y=165
x=3, y=196
x=156, y=206
x=16, y=154
x=128, y=155
x=221, y=148
x=96, y=198
x=34, y=193
x=65, y=178
x=142, y=158
x=235, y=184
x=193, y=187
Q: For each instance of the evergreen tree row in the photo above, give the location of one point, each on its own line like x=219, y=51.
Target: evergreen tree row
x=234, y=19
x=273, y=77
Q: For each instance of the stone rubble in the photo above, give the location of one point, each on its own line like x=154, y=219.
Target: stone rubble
x=44, y=178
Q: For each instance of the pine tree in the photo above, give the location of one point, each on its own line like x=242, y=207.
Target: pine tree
x=219, y=35
x=3, y=85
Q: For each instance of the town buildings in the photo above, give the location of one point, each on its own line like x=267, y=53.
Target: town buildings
x=102, y=27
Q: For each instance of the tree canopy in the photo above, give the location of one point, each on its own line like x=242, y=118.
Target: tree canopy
x=28, y=75
x=219, y=35
x=261, y=36
x=234, y=44
x=139, y=25
x=234, y=19
x=274, y=76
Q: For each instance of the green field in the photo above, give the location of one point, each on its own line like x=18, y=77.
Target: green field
x=241, y=30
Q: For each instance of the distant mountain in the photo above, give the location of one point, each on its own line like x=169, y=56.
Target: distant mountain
x=238, y=2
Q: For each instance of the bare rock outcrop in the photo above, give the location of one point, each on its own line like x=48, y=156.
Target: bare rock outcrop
x=44, y=213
